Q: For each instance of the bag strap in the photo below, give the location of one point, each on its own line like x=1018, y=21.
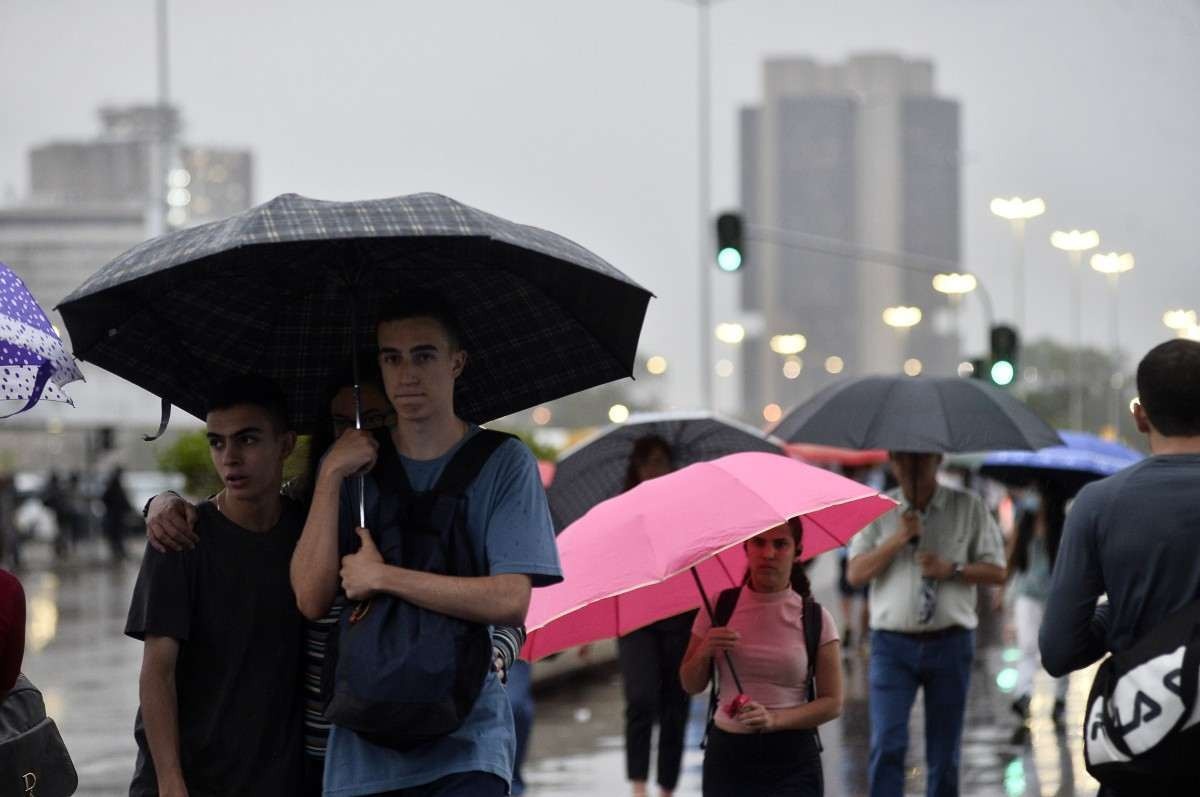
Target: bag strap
x=468, y=461
x=726, y=603
x=814, y=623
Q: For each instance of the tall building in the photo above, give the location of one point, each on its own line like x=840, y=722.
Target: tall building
x=89, y=201
x=856, y=156
x=203, y=183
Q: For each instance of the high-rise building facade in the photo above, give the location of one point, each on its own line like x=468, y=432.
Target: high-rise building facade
x=849, y=171
x=203, y=183
x=88, y=202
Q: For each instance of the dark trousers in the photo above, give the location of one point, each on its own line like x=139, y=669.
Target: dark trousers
x=463, y=784
x=314, y=776
x=900, y=664
x=780, y=764
x=520, y=697
x=650, y=659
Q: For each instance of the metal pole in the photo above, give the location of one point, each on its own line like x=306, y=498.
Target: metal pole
x=156, y=223
x=1018, y=227
x=1115, y=380
x=704, y=198
x=1077, y=333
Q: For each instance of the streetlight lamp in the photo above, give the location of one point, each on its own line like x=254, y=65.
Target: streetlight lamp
x=1179, y=321
x=901, y=317
x=1018, y=211
x=1114, y=265
x=1075, y=243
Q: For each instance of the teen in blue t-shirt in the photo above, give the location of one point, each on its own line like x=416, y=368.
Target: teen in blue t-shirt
x=509, y=525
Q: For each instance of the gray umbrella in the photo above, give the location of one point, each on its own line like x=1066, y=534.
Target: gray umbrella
x=922, y=414
x=594, y=470
x=284, y=289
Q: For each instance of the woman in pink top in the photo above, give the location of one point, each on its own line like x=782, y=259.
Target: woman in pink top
x=768, y=747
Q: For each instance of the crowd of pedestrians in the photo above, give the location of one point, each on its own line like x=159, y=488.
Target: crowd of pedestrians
x=270, y=613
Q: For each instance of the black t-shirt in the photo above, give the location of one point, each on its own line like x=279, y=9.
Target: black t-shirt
x=230, y=604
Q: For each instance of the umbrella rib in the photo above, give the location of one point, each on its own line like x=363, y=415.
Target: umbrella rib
x=867, y=436
x=945, y=416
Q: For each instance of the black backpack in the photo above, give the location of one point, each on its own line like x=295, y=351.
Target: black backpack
x=813, y=622
x=1143, y=712
x=33, y=758
x=395, y=673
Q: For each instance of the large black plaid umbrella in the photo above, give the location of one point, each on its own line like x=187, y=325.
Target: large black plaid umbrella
x=271, y=291
x=594, y=469
x=924, y=414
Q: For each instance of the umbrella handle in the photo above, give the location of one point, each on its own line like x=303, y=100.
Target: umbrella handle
x=712, y=618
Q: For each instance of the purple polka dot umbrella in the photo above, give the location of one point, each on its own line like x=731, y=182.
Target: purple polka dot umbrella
x=33, y=363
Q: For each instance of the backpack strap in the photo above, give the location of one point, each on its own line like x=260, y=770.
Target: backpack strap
x=813, y=620
x=726, y=603
x=469, y=460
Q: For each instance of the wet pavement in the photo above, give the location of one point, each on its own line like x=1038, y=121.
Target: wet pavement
x=88, y=673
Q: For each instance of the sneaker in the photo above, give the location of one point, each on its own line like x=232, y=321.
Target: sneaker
x=1020, y=707
x=1058, y=715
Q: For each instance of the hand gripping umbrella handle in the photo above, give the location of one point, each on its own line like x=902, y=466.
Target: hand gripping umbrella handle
x=712, y=619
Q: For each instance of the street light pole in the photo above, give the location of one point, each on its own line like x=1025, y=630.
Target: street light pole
x=1018, y=211
x=704, y=145
x=1114, y=265
x=1075, y=243
x=156, y=223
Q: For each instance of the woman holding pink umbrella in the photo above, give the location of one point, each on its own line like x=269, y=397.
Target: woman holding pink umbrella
x=764, y=742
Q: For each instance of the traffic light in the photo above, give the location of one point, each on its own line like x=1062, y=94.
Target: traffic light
x=729, y=242
x=1005, y=344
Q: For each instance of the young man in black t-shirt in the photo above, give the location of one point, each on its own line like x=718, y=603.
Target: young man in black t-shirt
x=219, y=685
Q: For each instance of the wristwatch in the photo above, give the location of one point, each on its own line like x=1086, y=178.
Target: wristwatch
x=957, y=575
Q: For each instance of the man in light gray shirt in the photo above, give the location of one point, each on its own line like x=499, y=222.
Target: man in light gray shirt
x=923, y=562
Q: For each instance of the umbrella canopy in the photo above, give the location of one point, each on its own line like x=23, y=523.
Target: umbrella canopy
x=627, y=562
x=595, y=468
x=33, y=363
x=283, y=290
x=1085, y=458
x=921, y=414
x=831, y=455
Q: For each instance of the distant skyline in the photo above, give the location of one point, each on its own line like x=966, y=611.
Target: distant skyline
x=581, y=118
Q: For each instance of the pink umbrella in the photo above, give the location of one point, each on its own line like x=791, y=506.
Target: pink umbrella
x=632, y=559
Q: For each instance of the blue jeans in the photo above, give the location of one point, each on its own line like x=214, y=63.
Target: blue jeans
x=520, y=697
x=900, y=663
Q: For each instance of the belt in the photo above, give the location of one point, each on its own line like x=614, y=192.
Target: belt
x=929, y=636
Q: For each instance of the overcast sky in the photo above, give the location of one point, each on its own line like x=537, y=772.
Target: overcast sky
x=580, y=117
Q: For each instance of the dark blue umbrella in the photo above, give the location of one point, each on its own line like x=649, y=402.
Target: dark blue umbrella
x=1084, y=458
x=33, y=363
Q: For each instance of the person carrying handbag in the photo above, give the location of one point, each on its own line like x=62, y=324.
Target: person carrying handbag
x=33, y=758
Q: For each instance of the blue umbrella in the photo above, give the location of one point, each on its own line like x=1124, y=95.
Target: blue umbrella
x=33, y=363
x=1084, y=458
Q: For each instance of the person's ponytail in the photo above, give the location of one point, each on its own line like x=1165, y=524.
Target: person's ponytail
x=799, y=578
x=800, y=583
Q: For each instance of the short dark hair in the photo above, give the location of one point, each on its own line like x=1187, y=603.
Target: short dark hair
x=643, y=447
x=1168, y=383
x=255, y=390
x=424, y=304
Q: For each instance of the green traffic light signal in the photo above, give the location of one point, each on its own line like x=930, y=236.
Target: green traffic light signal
x=729, y=242
x=1005, y=348
x=729, y=259
x=1003, y=373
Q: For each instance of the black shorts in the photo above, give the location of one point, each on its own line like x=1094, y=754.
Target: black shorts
x=780, y=764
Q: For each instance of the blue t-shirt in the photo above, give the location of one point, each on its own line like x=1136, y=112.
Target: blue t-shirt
x=509, y=524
